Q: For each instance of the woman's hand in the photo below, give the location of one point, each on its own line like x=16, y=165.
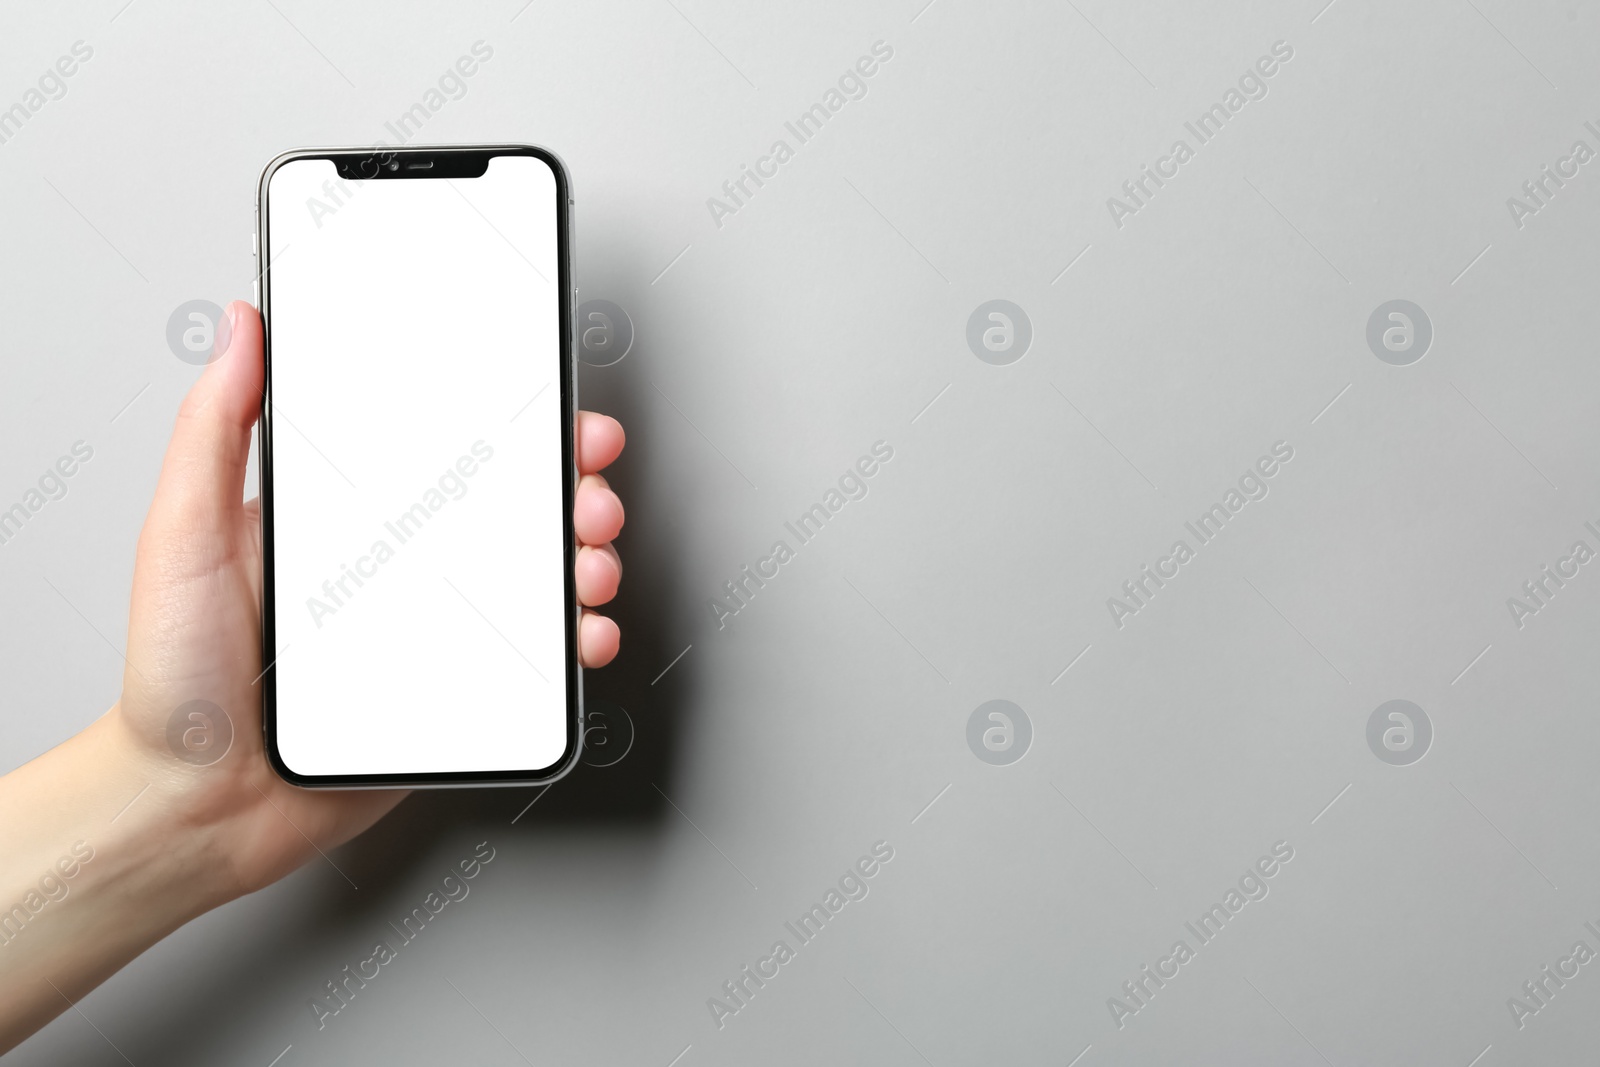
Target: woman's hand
x=171, y=838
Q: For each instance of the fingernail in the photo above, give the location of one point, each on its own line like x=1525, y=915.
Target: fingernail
x=225, y=328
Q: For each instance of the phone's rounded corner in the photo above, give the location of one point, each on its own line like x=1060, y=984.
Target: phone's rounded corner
x=549, y=157
x=566, y=764
x=281, y=768
x=277, y=163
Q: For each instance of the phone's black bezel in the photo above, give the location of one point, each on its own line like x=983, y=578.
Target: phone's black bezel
x=446, y=161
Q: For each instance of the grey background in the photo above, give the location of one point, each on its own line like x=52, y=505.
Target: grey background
x=770, y=353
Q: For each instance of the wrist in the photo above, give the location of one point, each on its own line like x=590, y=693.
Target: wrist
x=168, y=835
x=103, y=858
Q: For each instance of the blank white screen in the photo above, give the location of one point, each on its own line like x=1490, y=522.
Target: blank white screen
x=419, y=526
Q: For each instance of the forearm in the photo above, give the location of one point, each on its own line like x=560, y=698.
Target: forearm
x=98, y=861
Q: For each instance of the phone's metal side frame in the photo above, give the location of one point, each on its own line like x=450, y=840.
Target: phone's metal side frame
x=566, y=298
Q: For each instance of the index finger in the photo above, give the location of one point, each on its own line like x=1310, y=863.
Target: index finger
x=599, y=440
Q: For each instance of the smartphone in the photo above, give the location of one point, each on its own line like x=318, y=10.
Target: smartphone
x=419, y=621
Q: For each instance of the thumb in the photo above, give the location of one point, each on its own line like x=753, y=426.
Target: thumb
x=202, y=477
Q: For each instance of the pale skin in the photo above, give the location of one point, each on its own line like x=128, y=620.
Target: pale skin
x=171, y=840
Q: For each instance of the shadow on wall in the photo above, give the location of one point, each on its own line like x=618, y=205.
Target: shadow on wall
x=607, y=787
x=597, y=791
